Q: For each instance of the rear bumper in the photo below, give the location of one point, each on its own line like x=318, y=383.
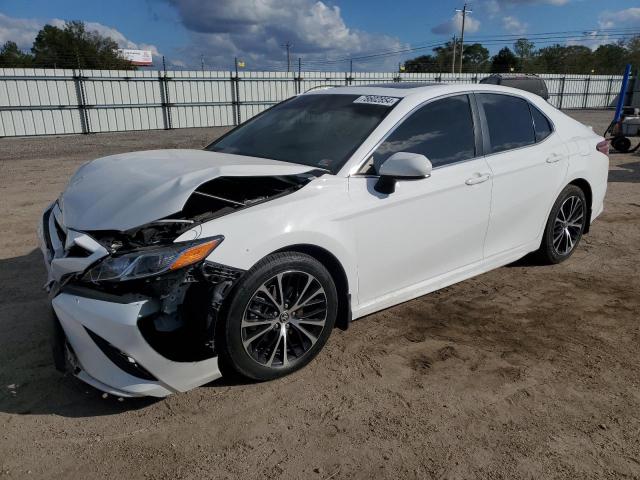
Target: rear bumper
x=117, y=324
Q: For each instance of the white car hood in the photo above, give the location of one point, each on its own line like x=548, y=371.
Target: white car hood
x=124, y=191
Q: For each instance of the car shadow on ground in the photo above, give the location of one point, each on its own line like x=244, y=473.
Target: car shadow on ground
x=29, y=383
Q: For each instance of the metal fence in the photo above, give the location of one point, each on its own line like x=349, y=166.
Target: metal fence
x=54, y=101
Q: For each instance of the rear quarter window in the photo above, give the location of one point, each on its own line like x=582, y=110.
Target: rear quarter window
x=509, y=121
x=541, y=124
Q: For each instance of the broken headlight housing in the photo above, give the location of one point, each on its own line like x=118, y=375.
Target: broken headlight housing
x=149, y=262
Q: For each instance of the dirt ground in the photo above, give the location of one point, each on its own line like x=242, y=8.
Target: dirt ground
x=524, y=372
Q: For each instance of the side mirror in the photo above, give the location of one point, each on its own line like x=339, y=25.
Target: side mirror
x=401, y=165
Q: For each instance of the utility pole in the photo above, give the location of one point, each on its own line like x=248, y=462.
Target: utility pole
x=202, y=62
x=464, y=12
x=453, y=62
x=288, y=47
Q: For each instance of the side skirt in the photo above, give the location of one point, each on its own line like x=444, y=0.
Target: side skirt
x=442, y=281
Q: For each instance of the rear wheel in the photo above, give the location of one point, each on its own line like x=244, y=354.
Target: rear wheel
x=565, y=226
x=280, y=317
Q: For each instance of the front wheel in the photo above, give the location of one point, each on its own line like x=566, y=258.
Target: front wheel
x=565, y=226
x=280, y=316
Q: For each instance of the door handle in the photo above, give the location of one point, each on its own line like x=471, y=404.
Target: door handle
x=554, y=158
x=478, y=178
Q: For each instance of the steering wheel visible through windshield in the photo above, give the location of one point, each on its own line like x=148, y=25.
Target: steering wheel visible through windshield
x=319, y=130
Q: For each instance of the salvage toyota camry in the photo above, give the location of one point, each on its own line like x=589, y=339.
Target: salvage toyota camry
x=166, y=267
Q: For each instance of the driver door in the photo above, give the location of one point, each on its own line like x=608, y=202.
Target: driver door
x=428, y=227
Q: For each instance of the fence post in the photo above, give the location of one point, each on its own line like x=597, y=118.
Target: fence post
x=609, y=88
x=298, y=79
x=586, y=92
x=78, y=81
x=563, y=79
x=164, y=100
x=235, y=98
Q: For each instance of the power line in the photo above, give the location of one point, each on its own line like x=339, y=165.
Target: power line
x=489, y=41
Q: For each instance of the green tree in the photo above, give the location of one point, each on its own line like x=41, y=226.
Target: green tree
x=633, y=52
x=524, y=48
x=504, y=61
x=12, y=56
x=610, y=58
x=421, y=64
x=564, y=59
x=73, y=46
x=444, y=56
x=475, y=58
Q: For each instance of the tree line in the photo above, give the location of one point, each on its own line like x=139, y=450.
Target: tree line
x=610, y=58
x=71, y=46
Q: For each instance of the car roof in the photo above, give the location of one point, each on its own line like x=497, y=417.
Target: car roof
x=421, y=91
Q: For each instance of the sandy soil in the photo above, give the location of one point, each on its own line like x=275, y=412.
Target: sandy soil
x=524, y=372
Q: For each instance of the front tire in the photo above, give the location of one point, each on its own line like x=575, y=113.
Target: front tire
x=565, y=226
x=279, y=318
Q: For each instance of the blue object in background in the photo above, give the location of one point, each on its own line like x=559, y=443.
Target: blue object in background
x=623, y=92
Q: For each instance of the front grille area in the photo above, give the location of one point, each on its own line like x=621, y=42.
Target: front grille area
x=218, y=273
x=121, y=359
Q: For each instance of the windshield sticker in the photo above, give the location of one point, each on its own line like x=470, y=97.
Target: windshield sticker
x=377, y=100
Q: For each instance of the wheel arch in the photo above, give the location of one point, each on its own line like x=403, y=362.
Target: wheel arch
x=584, y=185
x=338, y=273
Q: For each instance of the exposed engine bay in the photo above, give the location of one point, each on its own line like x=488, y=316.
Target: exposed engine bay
x=211, y=200
x=183, y=306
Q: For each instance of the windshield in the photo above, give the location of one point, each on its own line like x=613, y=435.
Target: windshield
x=318, y=130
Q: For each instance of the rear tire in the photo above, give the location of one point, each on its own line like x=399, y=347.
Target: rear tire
x=621, y=144
x=564, y=227
x=279, y=318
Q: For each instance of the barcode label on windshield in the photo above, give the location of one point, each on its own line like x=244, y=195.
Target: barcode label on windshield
x=377, y=100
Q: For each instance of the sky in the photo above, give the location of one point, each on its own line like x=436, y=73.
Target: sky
x=322, y=32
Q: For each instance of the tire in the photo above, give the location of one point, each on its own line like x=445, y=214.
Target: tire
x=561, y=234
x=290, y=330
x=621, y=144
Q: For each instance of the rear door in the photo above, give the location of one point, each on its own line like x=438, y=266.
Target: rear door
x=529, y=163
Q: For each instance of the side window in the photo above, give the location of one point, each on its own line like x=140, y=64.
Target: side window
x=508, y=120
x=442, y=131
x=541, y=124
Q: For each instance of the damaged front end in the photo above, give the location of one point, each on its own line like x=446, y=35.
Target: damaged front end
x=142, y=301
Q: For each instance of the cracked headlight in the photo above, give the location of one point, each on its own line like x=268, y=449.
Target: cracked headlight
x=152, y=261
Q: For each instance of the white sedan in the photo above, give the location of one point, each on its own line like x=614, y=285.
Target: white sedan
x=166, y=267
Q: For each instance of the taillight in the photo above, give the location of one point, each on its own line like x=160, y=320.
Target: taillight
x=603, y=147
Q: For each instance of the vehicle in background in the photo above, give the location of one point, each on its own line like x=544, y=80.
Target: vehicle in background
x=528, y=82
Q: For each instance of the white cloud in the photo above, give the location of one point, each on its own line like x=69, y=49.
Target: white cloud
x=256, y=30
x=495, y=6
x=454, y=25
x=24, y=30
x=629, y=17
x=512, y=25
x=626, y=18
x=19, y=30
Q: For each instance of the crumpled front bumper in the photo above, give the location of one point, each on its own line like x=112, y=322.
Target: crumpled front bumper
x=100, y=331
x=117, y=324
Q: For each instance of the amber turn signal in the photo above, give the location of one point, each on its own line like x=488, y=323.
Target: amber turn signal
x=195, y=254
